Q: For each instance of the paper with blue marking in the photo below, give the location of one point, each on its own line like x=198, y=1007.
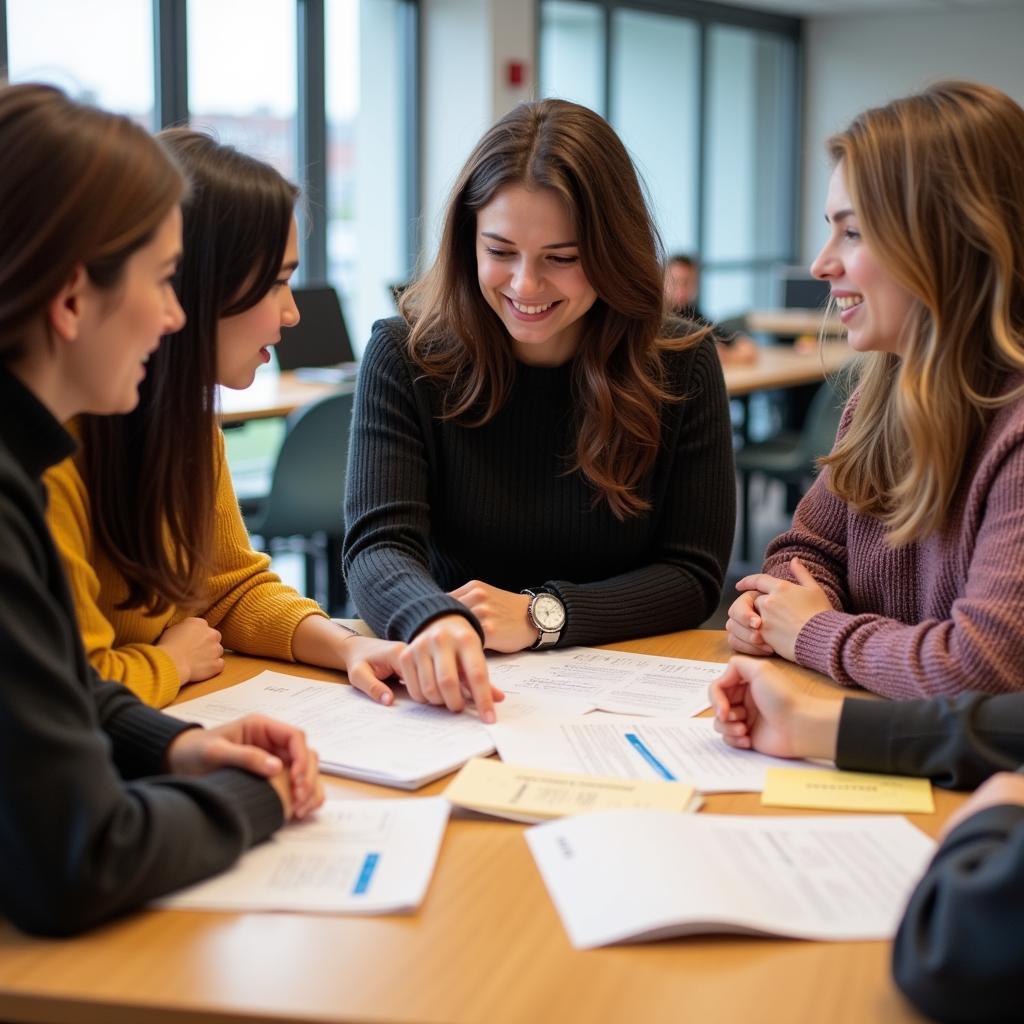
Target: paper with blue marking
x=621, y=746
x=353, y=857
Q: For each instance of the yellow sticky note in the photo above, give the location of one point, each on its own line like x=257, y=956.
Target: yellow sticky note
x=523, y=794
x=827, y=790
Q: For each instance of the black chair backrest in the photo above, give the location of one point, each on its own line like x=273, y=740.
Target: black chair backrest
x=822, y=423
x=308, y=484
x=320, y=338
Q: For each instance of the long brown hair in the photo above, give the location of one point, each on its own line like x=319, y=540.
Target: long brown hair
x=618, y=372
x=151, y=474
x=78, y=186
x=937, y=183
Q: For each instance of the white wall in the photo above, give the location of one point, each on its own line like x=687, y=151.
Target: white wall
x=857, y=62
x=466, y=46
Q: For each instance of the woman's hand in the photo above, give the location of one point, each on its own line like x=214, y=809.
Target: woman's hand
x=784, y=608
x=757, y=708
x=744, y=626
x=444, y=664
x=1001, y=788
x=195, y=648
x=256, y=744
x=502, y=616
x=369, y=662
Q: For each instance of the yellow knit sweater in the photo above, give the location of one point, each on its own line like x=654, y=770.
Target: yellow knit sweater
x=254, y=611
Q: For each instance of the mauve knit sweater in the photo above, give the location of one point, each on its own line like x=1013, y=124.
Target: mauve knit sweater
x=432, y=504
x=940, y=616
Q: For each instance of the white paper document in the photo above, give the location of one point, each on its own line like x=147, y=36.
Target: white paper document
x=681, y=750
x=353, y=857
x=631, y=684
x=620, y=876
x=406, y=745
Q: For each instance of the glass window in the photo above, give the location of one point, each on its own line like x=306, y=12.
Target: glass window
x=729, y=293
x=368, y=157
x=750, y=151
x=246, y=91
x=98, y=51
x=572, y=52
x=654, y=108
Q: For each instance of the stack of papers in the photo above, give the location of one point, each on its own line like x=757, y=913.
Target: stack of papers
x=630, y=684
x=686, y=750
x=406, y=745
x=624, y=876
x=521, y=794
x=352, y=857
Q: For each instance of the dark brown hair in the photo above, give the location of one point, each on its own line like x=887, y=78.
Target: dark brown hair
x=151, y=474
x=78, y=186
x=618, y=372
x=937, y=184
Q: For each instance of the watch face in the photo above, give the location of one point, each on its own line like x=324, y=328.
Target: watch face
x=548, y=613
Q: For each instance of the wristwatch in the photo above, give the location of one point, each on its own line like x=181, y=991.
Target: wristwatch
x=547, y=615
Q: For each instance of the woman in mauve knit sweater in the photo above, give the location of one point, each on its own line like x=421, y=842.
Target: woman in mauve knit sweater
x=538, y=455
x=904, y=568
x=145, y=517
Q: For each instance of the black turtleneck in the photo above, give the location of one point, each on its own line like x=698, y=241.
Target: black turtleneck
x=83, y=835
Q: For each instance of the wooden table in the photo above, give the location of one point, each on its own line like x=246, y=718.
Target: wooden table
x=790, y=323
x=275, y=394
x=486, y=945
x=782, y=366
x=280, y=394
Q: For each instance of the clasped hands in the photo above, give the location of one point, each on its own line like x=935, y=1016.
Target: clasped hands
x=769, y=613
x=263, y=746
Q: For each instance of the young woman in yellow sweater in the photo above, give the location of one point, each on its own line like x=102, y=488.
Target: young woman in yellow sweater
x=145, y=516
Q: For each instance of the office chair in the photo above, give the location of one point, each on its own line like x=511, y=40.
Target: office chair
x=307, y=488
x=789, y=456
x=320, y=338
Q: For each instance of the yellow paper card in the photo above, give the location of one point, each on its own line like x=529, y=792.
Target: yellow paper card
x=523, y=794
x=827, y=790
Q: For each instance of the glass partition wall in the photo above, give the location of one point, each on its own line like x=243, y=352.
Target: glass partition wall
x=706, y=98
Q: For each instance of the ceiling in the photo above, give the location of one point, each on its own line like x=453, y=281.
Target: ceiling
x=833, y=8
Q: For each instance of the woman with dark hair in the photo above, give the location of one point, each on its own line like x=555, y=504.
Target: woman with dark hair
x=538, y=457
x=903, y=569
x=145, y=516
x=85, y=296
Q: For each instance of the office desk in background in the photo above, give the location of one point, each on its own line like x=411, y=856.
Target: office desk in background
x=275, y=394
x=279, y=394
x=487, y=945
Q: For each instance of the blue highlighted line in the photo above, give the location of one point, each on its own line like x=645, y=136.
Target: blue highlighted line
x=366, y=874
x=644, y=752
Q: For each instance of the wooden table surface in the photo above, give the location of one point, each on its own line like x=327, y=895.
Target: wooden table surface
x=781, y=366
x=486, y=945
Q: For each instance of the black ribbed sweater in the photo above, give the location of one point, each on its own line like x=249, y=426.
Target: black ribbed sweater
x=432, y=504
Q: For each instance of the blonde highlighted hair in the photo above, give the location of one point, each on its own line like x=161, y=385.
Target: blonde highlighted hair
x=937, y=183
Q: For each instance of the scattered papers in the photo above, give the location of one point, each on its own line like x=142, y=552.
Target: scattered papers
x=521, y=794
x=631, y=684
x=826, y=790
x=625, y=876
x=353, y=857
x=620, y=747
x=406, y=745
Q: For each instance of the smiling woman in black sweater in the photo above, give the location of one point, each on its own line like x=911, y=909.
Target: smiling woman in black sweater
x=539, y=456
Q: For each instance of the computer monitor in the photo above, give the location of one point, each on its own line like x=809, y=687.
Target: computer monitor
x=320, y=338
x=799, y=290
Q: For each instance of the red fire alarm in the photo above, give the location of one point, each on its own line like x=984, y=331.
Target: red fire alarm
x=516, y=72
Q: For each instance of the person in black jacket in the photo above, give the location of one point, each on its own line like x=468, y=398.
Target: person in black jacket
x=104, y=803
x=959, y=952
